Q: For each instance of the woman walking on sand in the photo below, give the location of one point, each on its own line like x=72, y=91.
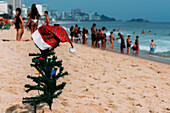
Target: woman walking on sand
x=19, y=24
x=111, y=38
x=33, y=18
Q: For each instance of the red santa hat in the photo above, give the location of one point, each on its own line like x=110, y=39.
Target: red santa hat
x=50, y=36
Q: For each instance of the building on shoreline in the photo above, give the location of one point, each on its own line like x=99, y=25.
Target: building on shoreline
x=12, y=5
x=75, y=14
x=3, y=7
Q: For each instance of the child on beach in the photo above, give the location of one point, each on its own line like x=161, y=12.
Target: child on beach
x=136, y=46
x=133, y=48
x=19, y=24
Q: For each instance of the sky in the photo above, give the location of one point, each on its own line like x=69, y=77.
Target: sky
x=152, y=10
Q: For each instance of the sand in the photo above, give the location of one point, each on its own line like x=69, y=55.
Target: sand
x=98, y=81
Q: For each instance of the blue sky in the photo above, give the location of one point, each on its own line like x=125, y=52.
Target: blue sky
x=153, y=10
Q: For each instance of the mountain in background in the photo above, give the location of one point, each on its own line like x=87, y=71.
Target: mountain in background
x=138, y=20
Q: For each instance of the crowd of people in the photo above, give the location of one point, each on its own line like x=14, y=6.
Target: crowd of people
x=99, y=39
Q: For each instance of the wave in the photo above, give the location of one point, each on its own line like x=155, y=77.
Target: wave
x=161, y=51
x=157, y=50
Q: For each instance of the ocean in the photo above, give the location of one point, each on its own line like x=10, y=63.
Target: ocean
x=159, y=33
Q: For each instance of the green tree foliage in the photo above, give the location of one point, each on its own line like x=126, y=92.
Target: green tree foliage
x=47, y=66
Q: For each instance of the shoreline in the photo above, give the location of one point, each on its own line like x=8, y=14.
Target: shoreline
x=143, y=53
x=131, y=55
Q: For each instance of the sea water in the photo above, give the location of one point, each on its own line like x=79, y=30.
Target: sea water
x=159, y=33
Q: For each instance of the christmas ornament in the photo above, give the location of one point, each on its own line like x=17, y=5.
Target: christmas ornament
x=53, y=72
x=56, y=84
x=37, y=72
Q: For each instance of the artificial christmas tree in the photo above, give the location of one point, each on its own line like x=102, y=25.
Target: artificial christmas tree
x=47, y=66
x=48, y=69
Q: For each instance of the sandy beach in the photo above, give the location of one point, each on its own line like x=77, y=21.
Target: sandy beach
x=98, y=81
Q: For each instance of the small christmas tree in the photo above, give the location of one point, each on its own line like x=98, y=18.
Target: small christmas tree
x=47, y=67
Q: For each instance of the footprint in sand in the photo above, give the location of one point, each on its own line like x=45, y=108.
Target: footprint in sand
x=11, y=109
x=24, y=108
x=134, y=65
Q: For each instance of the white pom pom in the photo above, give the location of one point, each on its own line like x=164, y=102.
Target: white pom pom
x=72, y=50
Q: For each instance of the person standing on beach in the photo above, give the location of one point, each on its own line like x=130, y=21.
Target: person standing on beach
x=33, y=18
x=102, y=34
x=79, y=34
x=98, y=39
x=86, y=35
x=122, y=45
x=71, y=33
x=93, y=35
x=76, y=33
x=19, y=24
x=47, y=19
x=152, y=47
x=111, y=38
x=128, y=44
x=104, y=42
x=137, y=45
x=96, y=43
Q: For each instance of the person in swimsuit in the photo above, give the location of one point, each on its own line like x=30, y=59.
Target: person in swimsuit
x=33, y=18
x=79, y=34
x=76, y=33
x=143, y=32
x=128, y=44
x=122, y=45
x=98, y=39
x=111, y=38
x=96, y=43
x=137, y=45
x=86, y=35
x=47, y=19
x=19, y=24
x=104, y=42
x=93, y=35
x=71, y=33
x=152, y=47
x=102, y=34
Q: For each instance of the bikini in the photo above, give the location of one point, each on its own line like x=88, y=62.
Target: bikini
x=128, y=44
x=34, y=20
x=111, y=39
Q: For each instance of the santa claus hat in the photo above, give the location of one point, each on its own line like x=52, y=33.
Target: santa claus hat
x=50, y=36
